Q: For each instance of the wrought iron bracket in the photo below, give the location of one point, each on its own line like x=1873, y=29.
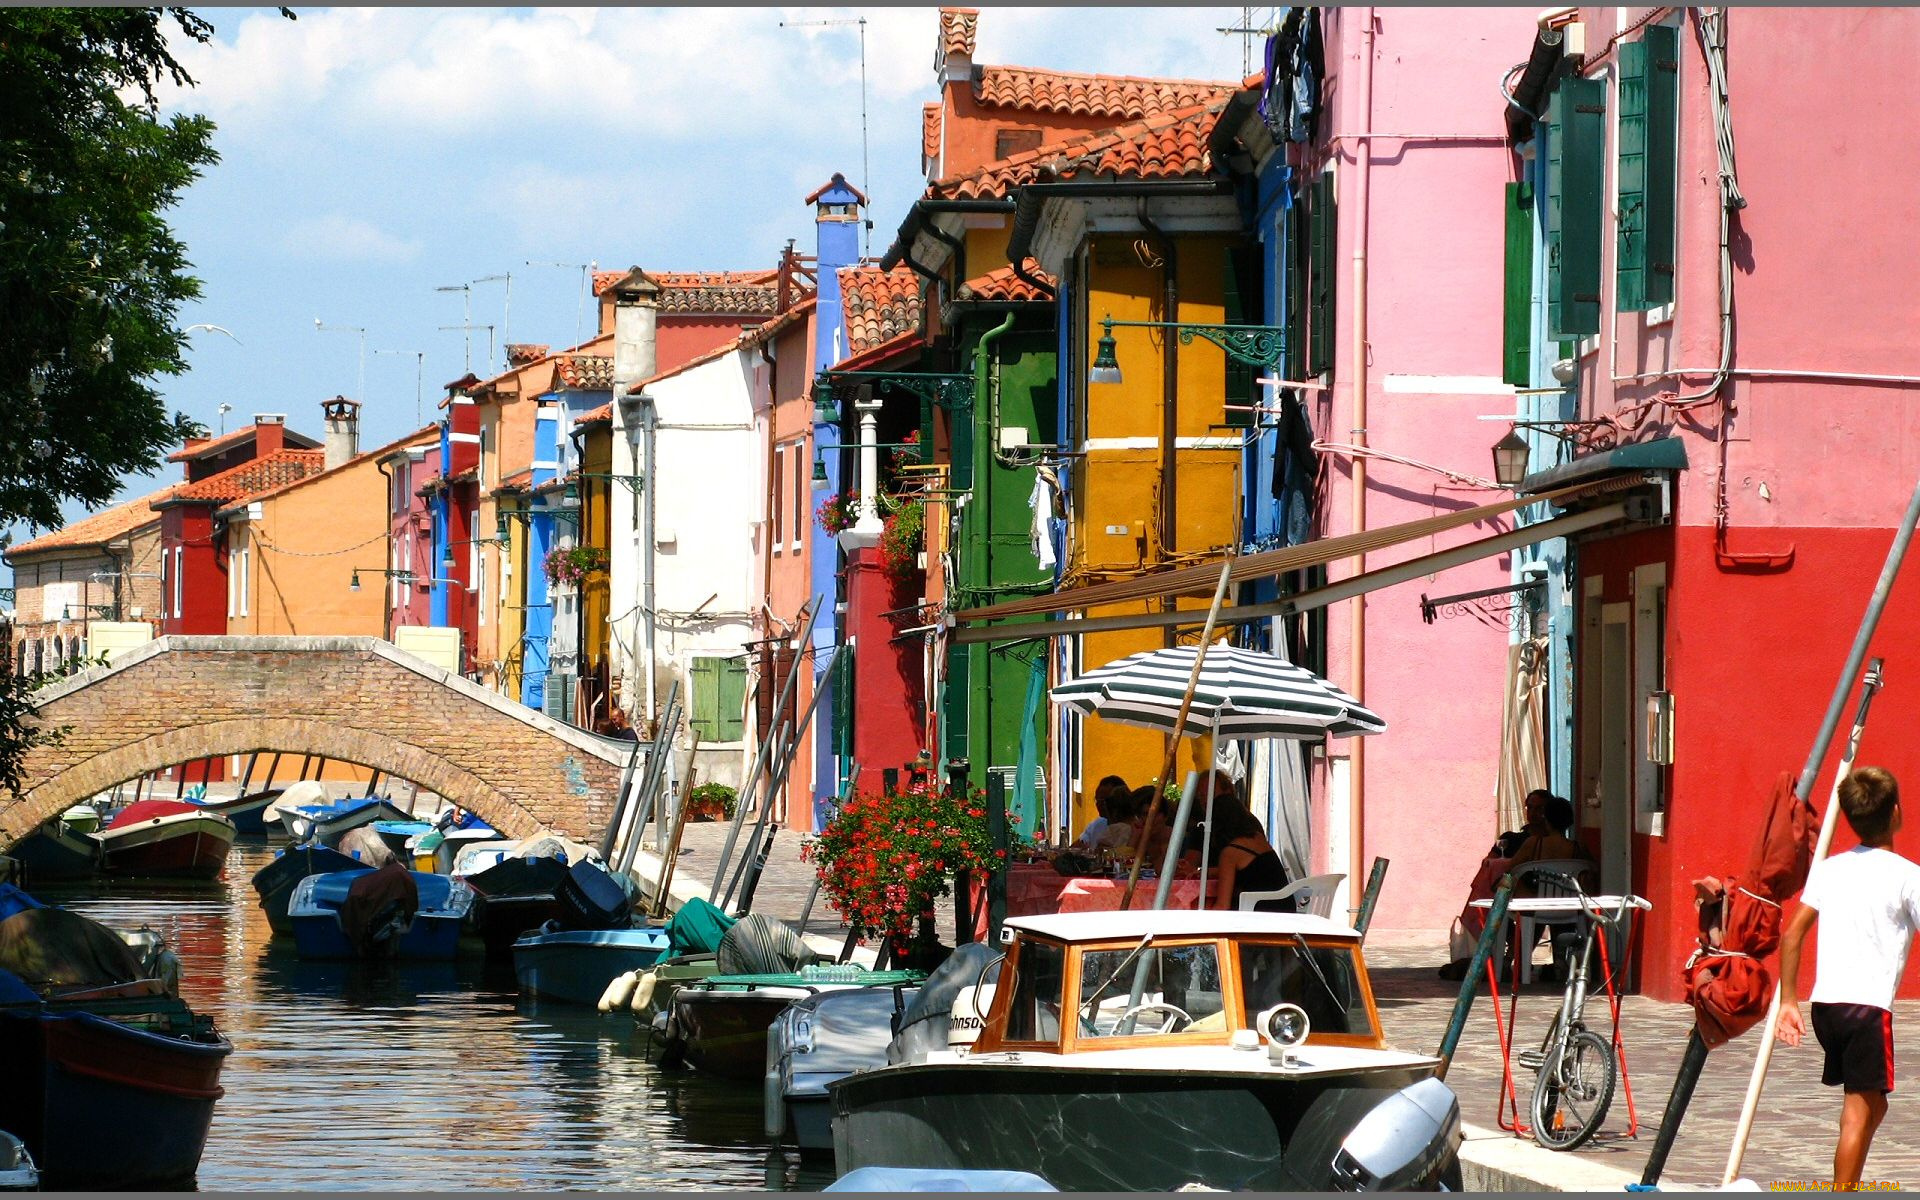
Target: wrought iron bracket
x=1520, y=600
x=1255, y=345
x=951, y=391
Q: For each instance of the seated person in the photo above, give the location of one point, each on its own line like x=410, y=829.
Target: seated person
x=1140, y=803
x=1242, y=859
x=1536, y=822
x=1104, y=793
x=1553, y=840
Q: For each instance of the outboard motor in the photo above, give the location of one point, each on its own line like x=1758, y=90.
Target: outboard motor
x=1408, y=1140
x=924, y=1024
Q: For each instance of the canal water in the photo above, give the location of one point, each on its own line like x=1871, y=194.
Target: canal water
x=436, y=1076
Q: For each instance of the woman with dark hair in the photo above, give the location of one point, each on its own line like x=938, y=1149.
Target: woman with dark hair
x=1241, y=858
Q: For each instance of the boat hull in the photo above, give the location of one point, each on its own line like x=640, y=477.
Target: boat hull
x=275, y=882
x=432, y=937
x=725, y=1030
x=101, y=1105
x=1133, y=1130
x=248, y=813
x=50, y=853
x=575, y=967
x=504, y=920
x=185, y=845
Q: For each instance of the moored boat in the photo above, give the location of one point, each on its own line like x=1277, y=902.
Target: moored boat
x=17, y=1170
x=274, y=883
x=819, y=1039
x=54, y=853
x=81, y=818
x=438, y=849
x=328, y=823
x=721, y=1022
x=165, y=838
x=396, y=834
x=248, y=812
x=389, y=913
x=1228, y=1050
x=514, y=897
x=576, y=965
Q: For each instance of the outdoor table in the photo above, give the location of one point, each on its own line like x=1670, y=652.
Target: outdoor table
x=1555, y=906
x=1036, y=889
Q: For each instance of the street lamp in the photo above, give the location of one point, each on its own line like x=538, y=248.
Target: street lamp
x=320, y=326
x=1255, y=345
x=1510, y=455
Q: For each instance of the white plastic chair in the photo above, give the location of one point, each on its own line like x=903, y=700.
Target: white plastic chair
x=1314, y=894
x=1540, y=878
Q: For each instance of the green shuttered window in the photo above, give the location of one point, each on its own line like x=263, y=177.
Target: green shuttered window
x=719, y=691
x=1649, y=75
x=1517, y=342
x=1576, y=148
x=1321, y=242
x=1240, y=274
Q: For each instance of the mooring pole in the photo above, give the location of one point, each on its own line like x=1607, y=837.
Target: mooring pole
x=1470, y=982
x=1376, y=879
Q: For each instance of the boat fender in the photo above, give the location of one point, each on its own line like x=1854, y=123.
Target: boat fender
x=620, y=991
x=166, y=968
x=643, y=990
x=773, y=1099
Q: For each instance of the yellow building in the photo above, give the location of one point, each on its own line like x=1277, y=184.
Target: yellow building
x=594, y=433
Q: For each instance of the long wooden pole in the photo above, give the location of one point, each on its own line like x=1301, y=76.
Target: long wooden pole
x=1763, y=1060
x=1179, y=723
x=679, y=826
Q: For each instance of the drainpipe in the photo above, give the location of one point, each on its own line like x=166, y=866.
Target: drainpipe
x=386, y=581
x=1363, y=164
x=1169, y=395
x=581, y=515
x=985, y=400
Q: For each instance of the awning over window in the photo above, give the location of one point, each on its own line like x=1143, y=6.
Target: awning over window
x=1661, y=454
x=1616, y=504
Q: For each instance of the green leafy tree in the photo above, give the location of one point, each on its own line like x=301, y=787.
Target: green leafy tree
x=91, y=277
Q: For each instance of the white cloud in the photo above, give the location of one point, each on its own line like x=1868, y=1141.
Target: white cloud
x=338, y=238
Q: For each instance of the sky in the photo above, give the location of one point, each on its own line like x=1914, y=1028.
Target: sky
x=370, y=157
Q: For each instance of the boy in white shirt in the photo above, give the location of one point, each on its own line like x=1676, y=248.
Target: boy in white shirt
x=1867, y=901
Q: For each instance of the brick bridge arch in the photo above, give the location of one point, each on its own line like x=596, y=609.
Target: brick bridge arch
x=353, y=699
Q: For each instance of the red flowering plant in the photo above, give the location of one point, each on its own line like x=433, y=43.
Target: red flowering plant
x=886, y=859
x=838, y=513
x=572, y=564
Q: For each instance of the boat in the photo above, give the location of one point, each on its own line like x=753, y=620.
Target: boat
x=653, y=994
x=471, y=860
x=328, y=823
x=396, y=834
x=17, y=1170
x=576, y=965
x=248, y=812
x=816, y=1040
x=53, y=853
x=438, y=849
x=592, y=897
x=166, y=838
x=111, y=1081
x=1210, y=1049
x=515, y=896
x=81, y=818
x=388, y=913
x=275, y=882
x=719, y=1024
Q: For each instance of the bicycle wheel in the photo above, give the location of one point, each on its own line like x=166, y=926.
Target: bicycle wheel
x=1571, y=1096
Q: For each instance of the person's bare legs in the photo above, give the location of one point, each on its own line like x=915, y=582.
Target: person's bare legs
x=1860, y=1117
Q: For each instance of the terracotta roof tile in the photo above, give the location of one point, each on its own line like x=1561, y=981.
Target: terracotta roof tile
x=586, y=372
x=225, y=442
x=879, y=305
x=519, y=354
x=1004, y=287
x=742, y=293
x=97, y=529
x=1167, y=145
x=251, y=478
x=603, y=413
x=839, y=180
x=929, y=138
x=958, y=29
x=1120, y=97
x=518, y=481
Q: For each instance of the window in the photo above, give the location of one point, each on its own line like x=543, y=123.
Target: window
x=777, y=497
x=1576, y=148
x=719, y=696
x=1033, y=1015
x=1516, y=359
x=1646, y=170
x=179, y=569
x=1186, y=978
x=1242, y=278
x=1284, y=973
x=802, y=480
x=1322, y=243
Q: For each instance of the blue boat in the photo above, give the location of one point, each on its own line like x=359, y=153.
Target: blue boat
x=432, y=931
x=328, y=823
x=396, y=834
x=275, y=881
x=576, y=965
x=248, y=813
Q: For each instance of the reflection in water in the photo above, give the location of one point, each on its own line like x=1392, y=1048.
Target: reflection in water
x=371, y=1076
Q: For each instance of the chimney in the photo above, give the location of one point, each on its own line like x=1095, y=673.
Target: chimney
x=342, y=428
x=636, y=313
x=269, y=433
x=953, y=54
x=837, y=209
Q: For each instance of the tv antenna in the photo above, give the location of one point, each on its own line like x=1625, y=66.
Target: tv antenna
x=866, y=175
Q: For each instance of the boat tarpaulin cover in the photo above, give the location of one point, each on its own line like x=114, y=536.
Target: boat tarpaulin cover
x=759, y=945
x=366, y=844
x=376, y=902
x=697, y=928
x=53, y=948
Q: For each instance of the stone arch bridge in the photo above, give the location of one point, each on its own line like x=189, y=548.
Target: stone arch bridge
x=353, y=699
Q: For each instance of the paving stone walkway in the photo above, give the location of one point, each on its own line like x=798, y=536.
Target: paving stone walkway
x=1792, y=1137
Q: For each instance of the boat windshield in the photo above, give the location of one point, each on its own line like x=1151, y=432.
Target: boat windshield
x=1033, y=1014
x=1334, y=997
x=1181, y=991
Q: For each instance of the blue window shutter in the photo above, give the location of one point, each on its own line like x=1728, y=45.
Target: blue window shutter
x=1576, y=143
x=1662, y=44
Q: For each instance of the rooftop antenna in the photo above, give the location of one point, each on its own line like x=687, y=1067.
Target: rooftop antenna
x=419, y=380
x=586, y=270
x=1248, y=31
x=866, y=174
x=466, y=316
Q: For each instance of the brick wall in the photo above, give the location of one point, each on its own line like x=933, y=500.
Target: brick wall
x=354, y=700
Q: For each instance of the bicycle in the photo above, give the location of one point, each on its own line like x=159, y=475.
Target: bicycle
x=1578, y=1069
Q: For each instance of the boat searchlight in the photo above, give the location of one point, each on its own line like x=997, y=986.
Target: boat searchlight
x=1287, y=1027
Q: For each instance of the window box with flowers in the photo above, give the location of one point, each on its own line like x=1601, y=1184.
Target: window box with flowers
x=885, y=860
x=902, y=539
x=572, y=565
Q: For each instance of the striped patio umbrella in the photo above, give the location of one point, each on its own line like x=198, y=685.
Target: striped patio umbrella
x=1240, y=694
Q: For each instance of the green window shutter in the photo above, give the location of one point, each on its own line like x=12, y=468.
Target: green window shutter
x=1238, y=278
x=1576, y=143
x=1517, y=356
x=732, y=696
x=1662, y=44
x=1630, y=256
x=706, y=699
x=1320, y=300
x=1298, y=244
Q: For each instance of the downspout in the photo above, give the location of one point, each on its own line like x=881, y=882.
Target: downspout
x=1169, y=395
x=386, y=581
x=1363, y=164
x=985, y=401
x=580, y=594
